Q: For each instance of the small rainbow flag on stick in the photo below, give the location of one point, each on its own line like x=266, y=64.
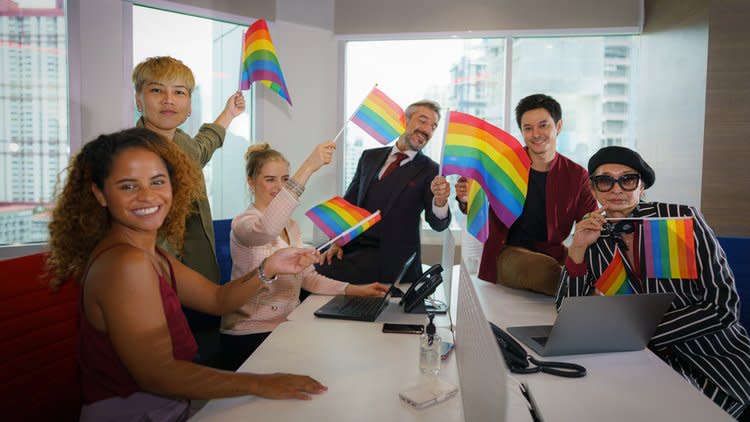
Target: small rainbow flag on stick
x=614, y=280
x=477, y=149
x=670, y=248
x=341, y=221
x=259, y=61
x=380, y=116
x=477, y=213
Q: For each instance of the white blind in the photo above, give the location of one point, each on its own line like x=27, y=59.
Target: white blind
x=415, y=16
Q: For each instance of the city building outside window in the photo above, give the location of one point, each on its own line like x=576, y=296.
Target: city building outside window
x=34, y=136
x=591, y=76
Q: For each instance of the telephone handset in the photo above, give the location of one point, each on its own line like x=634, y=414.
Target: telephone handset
x=519, y=362
x=515, y=355
x=422, y=288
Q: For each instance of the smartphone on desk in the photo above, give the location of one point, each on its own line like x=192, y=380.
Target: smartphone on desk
x=403, y=328
x=445, y=349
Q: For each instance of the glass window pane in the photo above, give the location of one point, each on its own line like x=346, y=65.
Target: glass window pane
x=591, y=77
x=34, y=139
x=461, y=74
x=211, y=49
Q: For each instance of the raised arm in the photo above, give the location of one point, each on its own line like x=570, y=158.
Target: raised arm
x=234, y=106
x=576, y=279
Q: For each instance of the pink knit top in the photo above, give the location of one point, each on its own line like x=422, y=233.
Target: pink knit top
x=256, y=235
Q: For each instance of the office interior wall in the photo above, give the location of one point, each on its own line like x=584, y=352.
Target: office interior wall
x=671, y=97
x=105, y=99
x=265, y=9
x=309, y=59
x=725, y=197
x=411, y=16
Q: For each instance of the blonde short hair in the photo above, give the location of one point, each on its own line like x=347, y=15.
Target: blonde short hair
x=162, y=68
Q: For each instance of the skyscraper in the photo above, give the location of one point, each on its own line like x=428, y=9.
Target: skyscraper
x=34, y=140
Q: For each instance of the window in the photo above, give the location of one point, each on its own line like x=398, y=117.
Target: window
x=33, y=77
x=463, y=74
x=211, y=49
x=591, y=77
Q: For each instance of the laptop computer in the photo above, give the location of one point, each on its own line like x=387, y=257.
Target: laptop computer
x=596, y=324
x=359, y=308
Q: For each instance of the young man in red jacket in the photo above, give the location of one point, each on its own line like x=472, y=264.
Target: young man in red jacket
x=530, y=254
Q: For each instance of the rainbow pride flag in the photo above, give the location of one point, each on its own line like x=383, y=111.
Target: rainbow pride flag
x=380, y=116
x=477, y=217
x=614, y=280
x=336, y=216
x=259, y=62
x=494, y=158
x=670, y=248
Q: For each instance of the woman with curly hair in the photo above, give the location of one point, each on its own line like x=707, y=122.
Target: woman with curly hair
x=135, y=345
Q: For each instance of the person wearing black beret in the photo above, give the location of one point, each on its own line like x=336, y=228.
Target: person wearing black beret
x=700, y=336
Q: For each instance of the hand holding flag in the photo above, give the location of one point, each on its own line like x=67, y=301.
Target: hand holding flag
x=340, y=220
x=494, y=158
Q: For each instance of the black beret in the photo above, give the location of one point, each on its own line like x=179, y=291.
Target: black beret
x=626, y=157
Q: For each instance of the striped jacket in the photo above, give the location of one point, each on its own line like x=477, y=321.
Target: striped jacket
x=701, y=327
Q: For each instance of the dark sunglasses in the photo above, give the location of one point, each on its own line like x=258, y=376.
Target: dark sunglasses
x=604, y=183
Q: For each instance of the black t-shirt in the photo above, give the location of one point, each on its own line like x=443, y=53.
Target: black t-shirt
x=531, y=225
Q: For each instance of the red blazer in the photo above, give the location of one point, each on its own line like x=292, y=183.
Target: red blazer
x=568, y=199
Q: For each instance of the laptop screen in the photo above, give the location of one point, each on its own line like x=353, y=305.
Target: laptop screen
x=401, y=274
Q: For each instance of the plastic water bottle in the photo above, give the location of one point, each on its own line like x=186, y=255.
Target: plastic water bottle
x=429, y=350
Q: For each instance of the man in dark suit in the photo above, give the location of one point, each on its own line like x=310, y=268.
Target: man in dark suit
x=401, y=182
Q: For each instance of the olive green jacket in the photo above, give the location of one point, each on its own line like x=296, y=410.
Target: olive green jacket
x=198, y=252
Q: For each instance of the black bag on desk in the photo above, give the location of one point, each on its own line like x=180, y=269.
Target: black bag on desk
x=519, y=362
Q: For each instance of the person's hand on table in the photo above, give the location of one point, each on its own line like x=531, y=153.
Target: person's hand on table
x=287, y=386
x=372, y=289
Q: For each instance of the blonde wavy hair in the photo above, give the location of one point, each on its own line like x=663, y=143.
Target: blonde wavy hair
x=258, y=155
x=79, y=222
x=162, y=68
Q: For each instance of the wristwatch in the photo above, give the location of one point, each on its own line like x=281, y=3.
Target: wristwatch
x=262, y=275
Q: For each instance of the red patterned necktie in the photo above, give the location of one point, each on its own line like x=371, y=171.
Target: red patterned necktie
x=400, y=156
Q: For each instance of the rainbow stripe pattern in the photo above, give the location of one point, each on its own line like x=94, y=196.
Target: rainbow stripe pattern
x=670, y=248
x=614, y=280
x=259, y=61
x=336, y=215
x=494, y=158
x=477, y=217
x=380, y=117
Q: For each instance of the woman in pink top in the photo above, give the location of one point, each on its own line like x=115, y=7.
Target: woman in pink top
x=262, y=229
x=135, y=345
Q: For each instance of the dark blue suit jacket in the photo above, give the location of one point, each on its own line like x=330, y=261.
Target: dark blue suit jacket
x=400, y=223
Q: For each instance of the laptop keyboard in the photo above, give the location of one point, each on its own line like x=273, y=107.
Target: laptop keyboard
x=365, y=307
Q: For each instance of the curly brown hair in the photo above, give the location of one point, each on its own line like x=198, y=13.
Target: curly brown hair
x=79, y=222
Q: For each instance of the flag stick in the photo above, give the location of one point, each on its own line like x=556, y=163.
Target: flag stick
x=355, y=112
x=349, y=230
x=646, y=218
x=445, y=132
x=242, y=55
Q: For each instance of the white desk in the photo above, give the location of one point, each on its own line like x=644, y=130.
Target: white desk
x=629, y=386
x=365, y=369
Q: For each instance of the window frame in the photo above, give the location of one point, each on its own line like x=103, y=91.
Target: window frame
x=429, y=236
